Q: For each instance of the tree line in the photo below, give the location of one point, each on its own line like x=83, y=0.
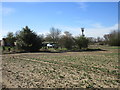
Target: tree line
x=26, y=39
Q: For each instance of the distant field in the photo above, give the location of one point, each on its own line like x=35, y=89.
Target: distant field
x=85, y=69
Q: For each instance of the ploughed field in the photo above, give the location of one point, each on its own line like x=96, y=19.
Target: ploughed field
x=85, y=69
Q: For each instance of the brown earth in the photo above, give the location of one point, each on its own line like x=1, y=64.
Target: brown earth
x=97, y=69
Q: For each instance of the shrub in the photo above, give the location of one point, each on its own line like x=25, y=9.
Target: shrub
x=113, y=39
x=82, y=42
x=67, y=40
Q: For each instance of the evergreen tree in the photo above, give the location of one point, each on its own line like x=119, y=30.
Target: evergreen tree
x=28, y=40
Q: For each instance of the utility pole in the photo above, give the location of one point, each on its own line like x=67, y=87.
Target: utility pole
x=82, y=29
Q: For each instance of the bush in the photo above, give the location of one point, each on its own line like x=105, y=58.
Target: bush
x=113, y=39
x=67, y=40
x=82, y=42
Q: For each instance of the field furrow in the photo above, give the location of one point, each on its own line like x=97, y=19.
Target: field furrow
x=69, y=69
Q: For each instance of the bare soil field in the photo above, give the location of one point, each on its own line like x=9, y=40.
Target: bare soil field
x=85, y=69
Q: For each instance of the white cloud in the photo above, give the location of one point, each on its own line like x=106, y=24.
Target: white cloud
x=95, y=31
x=84, y=22
x=89, y=32
x=7, y=10
x=44, y=32
x=3, y=33
x=100, y=30
x=97, y=25
x=83, y=5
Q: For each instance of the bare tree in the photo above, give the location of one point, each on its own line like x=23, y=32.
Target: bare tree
x=54, y=35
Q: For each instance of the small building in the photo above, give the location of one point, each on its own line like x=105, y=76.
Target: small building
x=2, y=43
